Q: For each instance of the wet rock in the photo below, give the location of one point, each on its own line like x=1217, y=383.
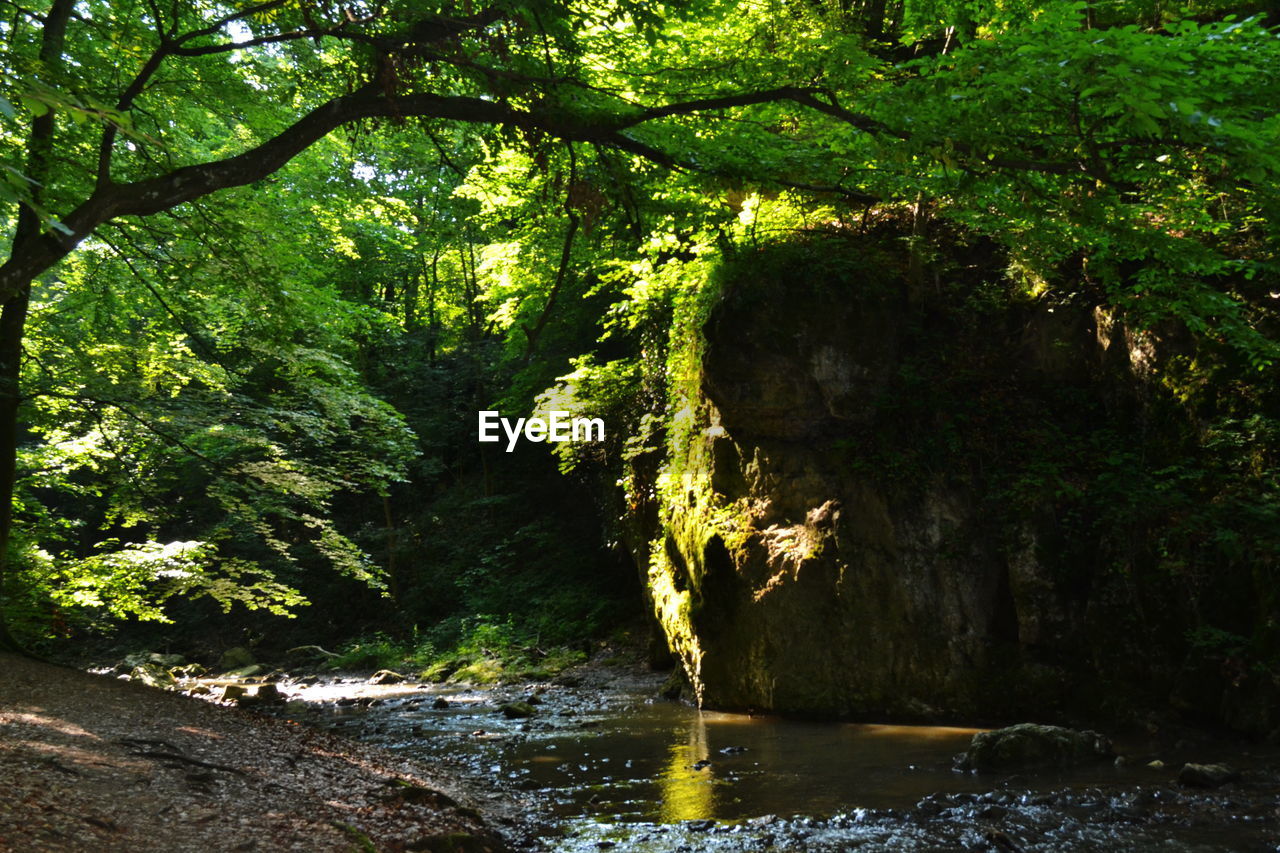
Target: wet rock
x=675, y=686
x=928, y=807
x=517, y=710
x=999, y=841
x=440, y=704
x=1206, y=775
x=386, y=676
x=733, y=750
x=1029, y=745
x=236, y=658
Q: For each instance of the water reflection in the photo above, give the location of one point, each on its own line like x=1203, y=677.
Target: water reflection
x=687, y=784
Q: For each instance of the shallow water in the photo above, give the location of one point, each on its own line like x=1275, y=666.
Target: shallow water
x=614, y=769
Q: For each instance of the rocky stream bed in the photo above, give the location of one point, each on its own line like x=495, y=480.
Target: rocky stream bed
x=596, y=760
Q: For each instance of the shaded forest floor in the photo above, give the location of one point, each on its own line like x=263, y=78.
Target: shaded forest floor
x=93, y=763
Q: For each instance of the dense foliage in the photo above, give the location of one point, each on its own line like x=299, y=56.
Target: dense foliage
x=266, y=260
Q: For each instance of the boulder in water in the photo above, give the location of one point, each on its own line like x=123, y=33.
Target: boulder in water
x=517, y=710
x=1030, y=745
x=1206, y=775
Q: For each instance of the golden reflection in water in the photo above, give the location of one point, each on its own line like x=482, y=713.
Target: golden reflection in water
x=688, y=794
x=913, y=732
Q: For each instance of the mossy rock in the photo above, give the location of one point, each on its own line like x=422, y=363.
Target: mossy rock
x=152, y=675
x=517, y=710
x=1029, y=745
x=236, y=658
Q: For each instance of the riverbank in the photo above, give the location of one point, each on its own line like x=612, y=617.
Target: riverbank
x=593, y=759
x=95, y=763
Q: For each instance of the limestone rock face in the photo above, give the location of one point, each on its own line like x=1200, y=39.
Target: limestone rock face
x=832, y=539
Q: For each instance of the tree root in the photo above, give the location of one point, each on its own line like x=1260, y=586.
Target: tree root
x=172, y=753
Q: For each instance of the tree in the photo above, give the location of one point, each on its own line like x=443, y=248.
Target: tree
x=133, y=149
x=1012, y=119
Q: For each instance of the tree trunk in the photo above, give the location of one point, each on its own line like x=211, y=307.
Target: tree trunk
x=13, y=319
x=13, y=316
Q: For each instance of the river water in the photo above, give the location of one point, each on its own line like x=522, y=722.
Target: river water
x=605, y=766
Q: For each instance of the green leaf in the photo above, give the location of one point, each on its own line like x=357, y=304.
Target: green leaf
x=35, y=106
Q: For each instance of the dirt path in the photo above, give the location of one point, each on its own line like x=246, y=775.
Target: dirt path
x=90, y=763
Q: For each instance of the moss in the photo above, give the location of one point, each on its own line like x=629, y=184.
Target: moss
x=483, y=671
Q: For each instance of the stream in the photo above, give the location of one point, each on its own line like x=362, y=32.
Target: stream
x=603, y=765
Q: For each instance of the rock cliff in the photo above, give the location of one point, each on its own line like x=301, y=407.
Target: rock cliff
x=890, y=496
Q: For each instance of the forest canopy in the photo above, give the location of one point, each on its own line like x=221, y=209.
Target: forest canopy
x=265, y=261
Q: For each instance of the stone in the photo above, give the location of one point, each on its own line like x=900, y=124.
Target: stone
x=1206, y=775
x=517, y=710
x=440, y=704
x=1030, y=745
x=233, y=692
x=235, y=658
x=268, y=693
x=386, y=676
x=787, y=578
x=166, y=661
x=152, y=675
x=191, y=670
